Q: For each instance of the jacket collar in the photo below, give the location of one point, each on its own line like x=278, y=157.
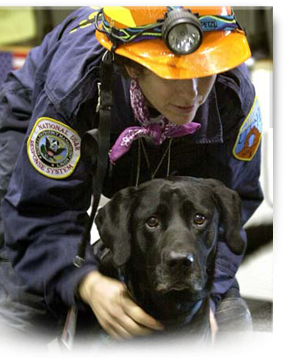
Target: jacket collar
x=208, y=116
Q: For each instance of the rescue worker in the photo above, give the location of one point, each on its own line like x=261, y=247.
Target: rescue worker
x=181, y=93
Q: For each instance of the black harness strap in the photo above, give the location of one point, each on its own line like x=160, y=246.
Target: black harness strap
x=98, y=139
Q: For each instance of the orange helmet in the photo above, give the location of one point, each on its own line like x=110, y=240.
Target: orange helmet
x=174, y=42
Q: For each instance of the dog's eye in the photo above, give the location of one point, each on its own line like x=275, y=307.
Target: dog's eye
x=199, y=219
x=152, y=222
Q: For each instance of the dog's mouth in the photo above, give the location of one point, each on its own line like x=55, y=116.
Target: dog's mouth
x=165, y=282
x=165, y=288
x=169, y=296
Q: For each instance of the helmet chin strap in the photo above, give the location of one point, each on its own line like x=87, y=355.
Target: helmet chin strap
x=97, y=141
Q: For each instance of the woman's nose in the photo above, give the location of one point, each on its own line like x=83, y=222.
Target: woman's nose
x=188, y=88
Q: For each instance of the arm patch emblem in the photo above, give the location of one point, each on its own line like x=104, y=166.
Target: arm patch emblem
x=250, y=134
x=53, y=148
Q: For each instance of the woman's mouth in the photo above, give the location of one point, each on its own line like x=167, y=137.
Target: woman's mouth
x=185, y=109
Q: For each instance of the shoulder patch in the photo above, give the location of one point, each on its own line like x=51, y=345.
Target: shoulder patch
x=53, y=148
x=250, y=134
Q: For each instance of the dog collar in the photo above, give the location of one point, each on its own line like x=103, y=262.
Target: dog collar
x=183, y=319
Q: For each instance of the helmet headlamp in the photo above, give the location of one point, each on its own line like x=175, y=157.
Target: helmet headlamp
x=182, y=32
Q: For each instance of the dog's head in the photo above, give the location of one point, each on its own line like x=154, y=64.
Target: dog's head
x=167, y=230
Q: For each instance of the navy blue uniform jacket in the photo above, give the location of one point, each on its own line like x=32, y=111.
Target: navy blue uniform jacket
x=44, y=210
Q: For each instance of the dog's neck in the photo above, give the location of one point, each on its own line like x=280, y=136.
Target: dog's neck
x=171, y=314
x=183, y=318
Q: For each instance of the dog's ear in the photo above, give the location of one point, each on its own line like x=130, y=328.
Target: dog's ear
x=113, y=224
x=230, y=205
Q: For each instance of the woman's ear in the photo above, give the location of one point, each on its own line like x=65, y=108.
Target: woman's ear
x=132, y=72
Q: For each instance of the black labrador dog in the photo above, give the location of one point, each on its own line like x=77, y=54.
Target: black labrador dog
x=160, y=239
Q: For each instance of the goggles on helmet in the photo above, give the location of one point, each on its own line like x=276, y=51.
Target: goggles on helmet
x=181, y=31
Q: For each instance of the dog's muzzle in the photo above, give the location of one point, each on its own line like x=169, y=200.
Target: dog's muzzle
x=178, y=271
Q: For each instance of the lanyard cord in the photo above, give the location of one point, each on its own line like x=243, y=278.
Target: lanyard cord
x=153, y=174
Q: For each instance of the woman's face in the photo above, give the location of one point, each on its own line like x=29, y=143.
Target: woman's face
x=177, y=100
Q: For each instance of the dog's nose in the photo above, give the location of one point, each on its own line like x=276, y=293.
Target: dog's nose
x=179, y=260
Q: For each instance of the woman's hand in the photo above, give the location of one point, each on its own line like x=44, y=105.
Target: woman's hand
x=116, y=312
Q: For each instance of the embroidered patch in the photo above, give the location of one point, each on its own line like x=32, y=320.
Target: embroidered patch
x=53, y=148
x=250, y=133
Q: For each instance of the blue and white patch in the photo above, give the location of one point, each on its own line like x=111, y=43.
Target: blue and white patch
x=53, y=148
x=250, y=134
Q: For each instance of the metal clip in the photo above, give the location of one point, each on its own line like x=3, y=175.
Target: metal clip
x=99, y=98
x=79, y=261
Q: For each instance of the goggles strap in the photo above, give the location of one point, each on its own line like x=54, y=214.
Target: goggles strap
x=153, y=31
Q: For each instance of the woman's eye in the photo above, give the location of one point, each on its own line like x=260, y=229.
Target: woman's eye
x=199, y=219
x=152, y=222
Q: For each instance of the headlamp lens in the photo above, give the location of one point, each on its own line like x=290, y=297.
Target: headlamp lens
x=184, y=39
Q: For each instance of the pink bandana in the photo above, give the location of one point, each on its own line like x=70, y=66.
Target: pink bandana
x=157, y=131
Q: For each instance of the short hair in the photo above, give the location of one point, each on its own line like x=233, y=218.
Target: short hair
x=121, y=61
